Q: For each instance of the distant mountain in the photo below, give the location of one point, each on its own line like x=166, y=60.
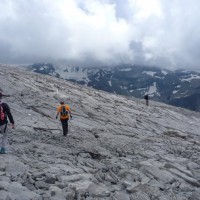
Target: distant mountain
x=179, y=88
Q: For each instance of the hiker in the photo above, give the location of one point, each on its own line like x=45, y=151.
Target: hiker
x=65, y=115
x=4, y=112
x=146, y=97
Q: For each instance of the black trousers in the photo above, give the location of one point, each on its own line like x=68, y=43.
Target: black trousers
x=64, y=126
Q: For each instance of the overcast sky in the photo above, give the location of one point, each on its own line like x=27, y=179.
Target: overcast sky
x=155, y=32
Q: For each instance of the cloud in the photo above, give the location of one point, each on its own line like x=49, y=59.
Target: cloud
x=157, y=32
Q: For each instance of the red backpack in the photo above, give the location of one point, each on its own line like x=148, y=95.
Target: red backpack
x=2, y=114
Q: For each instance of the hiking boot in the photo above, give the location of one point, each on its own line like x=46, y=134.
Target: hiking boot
x=65, y=134
x=2, y=151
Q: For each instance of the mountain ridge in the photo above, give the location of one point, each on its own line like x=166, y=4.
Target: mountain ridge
x=179, y=88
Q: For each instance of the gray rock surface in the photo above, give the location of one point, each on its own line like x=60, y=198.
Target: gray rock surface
x=116, y=149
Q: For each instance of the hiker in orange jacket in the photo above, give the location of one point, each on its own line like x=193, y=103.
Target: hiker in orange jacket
x=65, y=115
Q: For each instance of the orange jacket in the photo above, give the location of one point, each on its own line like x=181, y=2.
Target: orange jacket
x=59, y=108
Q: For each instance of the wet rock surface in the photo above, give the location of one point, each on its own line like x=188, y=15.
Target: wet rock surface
x=116, y=149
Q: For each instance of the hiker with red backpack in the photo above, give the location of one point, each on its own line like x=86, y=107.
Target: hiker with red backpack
x=4, y=112
x=65, y=115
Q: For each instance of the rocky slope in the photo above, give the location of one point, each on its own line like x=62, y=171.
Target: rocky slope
x=117, y=148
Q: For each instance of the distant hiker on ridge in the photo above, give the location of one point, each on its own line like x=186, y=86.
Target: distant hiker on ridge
x=65, y=114
x=146, y=97
x=4, y=112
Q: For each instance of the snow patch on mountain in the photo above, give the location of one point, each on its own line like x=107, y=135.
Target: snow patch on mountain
x=175, y=91
x=164, y=72
x=150, y=73
x=125, y=69
x=73, y=73
x=98, y=77
x=190, y=78
x=153, y=90
x=123, y=87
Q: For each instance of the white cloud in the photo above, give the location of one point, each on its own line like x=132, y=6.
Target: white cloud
x=161, y=32
x=145, y=9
